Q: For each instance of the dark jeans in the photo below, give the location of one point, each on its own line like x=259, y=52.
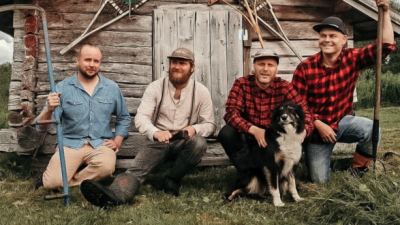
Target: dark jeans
x=238, y=146
x=186, y=153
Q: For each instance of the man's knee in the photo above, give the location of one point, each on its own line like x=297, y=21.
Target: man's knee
x=51, y=182
x=105, y=170
x=194, y=149
x=199, y=143
x=227, y=133
x=318, y=162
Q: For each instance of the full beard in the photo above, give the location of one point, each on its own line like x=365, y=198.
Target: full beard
x=178, y=80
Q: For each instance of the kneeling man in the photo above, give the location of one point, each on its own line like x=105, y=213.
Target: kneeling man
x=249, y=108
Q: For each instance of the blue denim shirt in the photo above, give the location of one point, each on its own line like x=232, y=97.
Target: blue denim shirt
x=87, y=118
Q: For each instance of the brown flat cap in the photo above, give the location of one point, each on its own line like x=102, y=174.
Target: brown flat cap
x=182, y=53
x=265, y=53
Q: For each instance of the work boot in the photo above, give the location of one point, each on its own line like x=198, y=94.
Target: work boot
x=360, y=164
x=171, y=187
x=173, y=179
x=358, y=172
x=120, y=192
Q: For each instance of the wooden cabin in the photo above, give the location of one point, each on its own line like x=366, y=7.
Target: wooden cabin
x=135, y=48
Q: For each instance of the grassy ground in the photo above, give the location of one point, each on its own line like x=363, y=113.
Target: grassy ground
x=372, y=199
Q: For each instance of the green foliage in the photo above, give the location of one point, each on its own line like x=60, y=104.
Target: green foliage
x=395, y=6
x=390, y=81
x=5, y=79
x=390, y=90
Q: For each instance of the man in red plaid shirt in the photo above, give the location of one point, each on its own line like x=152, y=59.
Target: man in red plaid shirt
x=249, y=109
x=326, y=81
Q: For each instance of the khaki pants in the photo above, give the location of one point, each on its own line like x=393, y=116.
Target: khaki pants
x=100, y=163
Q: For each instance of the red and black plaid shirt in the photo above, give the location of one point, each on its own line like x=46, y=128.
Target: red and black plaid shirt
x=249, y=105
x=329, y=91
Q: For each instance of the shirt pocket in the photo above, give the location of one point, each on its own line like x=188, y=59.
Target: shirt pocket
x=75, y=107
x=104, y=106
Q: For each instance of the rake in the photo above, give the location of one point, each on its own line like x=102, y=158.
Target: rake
x=120, y=8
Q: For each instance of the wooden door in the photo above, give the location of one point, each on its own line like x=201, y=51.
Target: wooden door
x=213, y=36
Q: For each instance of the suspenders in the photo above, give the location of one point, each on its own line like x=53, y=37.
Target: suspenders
x=162, y=98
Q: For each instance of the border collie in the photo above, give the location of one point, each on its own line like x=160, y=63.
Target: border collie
x=271, y=170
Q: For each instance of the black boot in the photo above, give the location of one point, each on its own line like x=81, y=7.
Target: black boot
x=174, y=177
x=120, y=192
x=171, y=186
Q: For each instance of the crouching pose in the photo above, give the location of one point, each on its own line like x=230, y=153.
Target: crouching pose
x=271, y=169
x=326, y=81
x=249, y=108
x=176, y=113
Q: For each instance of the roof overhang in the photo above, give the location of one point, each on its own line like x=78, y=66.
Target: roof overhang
x=365, y=17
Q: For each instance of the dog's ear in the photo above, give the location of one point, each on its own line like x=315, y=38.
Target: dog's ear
x=300, y=112
x=301, y=115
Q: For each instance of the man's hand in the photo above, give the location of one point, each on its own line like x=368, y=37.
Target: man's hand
x=114, y=144
x=53, y=100
x=303, y=135
x=383, y=3
x=326, y=132
x=259, y=135
x=110, y=144
x=162, y=136
x=190, y=130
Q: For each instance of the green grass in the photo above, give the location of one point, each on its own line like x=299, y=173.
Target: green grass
x=372, y=199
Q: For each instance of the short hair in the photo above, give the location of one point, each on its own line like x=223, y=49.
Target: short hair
x=78, y=53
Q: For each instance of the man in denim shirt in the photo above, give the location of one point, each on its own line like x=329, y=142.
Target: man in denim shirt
x=86, y=102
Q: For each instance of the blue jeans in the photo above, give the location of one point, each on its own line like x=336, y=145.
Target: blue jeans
x=351, y=129
x=186, y=153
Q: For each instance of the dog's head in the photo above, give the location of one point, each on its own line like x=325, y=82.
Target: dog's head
x=288, y=113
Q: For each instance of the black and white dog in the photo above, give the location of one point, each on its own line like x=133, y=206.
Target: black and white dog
x=271, y=170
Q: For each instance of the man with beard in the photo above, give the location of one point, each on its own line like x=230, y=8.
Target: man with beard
x=170, y=107
x=86, y=102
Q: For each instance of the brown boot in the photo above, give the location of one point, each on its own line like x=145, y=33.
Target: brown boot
x=120, y=192
x=360, y=165
x=361, y=161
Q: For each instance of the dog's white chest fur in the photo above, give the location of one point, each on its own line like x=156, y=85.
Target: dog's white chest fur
x=290, y=148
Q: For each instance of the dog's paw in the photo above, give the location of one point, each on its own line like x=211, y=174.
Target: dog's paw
x=279, y=204
x=298, y=198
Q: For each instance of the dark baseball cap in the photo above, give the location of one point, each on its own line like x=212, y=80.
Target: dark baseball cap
x=265, y=53
x=182, y=53
x=331, y=22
